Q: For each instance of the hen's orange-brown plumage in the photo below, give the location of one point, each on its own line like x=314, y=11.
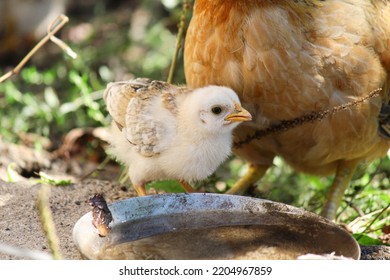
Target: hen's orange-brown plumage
x=289, y=58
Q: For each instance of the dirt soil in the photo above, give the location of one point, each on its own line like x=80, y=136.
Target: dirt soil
x=19, y=220
x=20, y=224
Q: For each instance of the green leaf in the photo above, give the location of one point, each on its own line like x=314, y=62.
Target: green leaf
x=68, y=107
x=166, y=186
x=31, y=75
x=51, y=98
x=46, y=179
x=12, y=175
x=364, y=239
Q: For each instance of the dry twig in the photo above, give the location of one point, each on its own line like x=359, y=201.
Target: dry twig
x=349, y=203
x=23, y=253
x=47, y=221
x=53, y=28
x=373, y=221
x=179, y=39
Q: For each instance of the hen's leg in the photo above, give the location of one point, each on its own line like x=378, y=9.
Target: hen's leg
x=341, y=182
x=187, y=187
x=254, y=174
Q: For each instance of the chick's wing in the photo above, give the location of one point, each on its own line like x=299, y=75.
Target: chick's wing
x=145, y=111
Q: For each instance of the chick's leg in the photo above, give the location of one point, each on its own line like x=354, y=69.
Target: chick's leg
x=140, y=189
x=254, y=174
x=341, y=182
x=187, y=187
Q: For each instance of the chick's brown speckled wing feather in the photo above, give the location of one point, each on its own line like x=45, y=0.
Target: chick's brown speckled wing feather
x=144, y=111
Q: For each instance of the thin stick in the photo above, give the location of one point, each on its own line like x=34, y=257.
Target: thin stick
x=354, y=194
x=308, y=118
x=99, y=168
x=365, y=217
x=354, y=207
x=52, y=30
x=47, y=221
x=179, y=39
x=23, y=253
x=373, y=221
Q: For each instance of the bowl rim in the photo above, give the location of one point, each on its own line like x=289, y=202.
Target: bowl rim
x=171, y=212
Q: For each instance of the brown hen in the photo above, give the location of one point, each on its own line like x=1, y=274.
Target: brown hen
x=288, y=58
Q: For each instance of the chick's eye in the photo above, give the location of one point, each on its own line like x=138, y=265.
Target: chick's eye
x=216, y=110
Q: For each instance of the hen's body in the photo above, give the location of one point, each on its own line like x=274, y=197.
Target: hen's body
x=289, y=58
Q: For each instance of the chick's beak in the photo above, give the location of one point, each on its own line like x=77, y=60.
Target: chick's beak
x=239, y=114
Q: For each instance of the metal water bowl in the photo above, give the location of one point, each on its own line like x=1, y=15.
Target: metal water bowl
x=211, y=226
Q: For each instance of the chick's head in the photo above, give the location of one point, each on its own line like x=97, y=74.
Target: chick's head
x=215, y=109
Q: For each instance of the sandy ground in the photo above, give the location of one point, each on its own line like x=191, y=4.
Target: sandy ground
x=19, y=220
